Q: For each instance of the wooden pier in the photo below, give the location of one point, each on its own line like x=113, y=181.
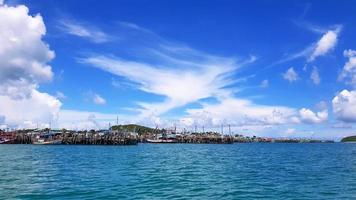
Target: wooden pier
x=70, y=138
x=95, y=139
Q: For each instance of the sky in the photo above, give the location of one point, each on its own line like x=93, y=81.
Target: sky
x=266, y=68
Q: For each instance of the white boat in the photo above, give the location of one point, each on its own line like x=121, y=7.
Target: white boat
x=43, y=142
x=161, y=140
x=4, y=141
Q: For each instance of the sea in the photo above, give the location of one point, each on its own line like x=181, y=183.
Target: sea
x=179, y=171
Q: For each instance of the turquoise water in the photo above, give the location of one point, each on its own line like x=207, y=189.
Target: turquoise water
x=179, y=171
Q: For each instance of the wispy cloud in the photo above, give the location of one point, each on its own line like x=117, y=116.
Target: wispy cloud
x=179, y=85
x=179, y=73
x=83, y=30
x=324, y=45
x=97, y=99
x=184, y=75
x=60, y=95
x=264, y=83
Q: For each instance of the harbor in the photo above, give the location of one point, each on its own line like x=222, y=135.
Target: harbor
x=132, y=135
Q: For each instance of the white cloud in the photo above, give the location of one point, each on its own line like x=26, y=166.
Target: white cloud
x=322, y=105
x=183, y=75
x=349, y=70
x=309, y=117
x=264, y=83
x=97, y=99
x=239, y=112
x=82, y=30
x=180, y=81
x=290, y=131
x=23, y=66
x=37, y=108
x=344, y=106
x=1, y=2
x=326, y=43
x=290, y=75
x=23, y=55
x=60, y=95
x=85, y=120
x=314, y=76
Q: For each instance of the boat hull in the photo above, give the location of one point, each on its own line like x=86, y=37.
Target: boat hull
x=54, y=142
x=161, y=141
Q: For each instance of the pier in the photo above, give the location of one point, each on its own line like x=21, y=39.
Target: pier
x=132, y=135
x=67, y=138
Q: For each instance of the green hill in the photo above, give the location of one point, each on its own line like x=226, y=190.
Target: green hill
x=133, y=128
x=349, y=139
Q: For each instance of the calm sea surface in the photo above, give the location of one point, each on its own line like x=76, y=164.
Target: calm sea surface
x=179, y=171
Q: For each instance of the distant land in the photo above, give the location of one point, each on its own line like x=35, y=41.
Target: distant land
x=349, y=139
x=134, y=128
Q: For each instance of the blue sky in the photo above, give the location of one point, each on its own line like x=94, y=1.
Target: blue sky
x=271, y=68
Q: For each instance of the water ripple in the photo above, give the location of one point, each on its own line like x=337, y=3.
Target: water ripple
x=179, y=171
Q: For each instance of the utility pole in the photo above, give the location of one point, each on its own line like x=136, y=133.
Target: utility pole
x=195, y=129
x=203, y=129
x=117, y=120
x=229, y=130
x=222, y=129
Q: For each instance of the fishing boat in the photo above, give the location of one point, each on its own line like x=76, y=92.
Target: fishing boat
x=5, y=141
x=48, y=142
x=163, y=138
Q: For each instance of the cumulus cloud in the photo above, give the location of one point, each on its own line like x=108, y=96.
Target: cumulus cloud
x=23, y=66
x=37, y=108
x=83, y=30
x=349, y=70
x=310, y=117
x=314, y=76
x=239, y=112
x=290, y=75
x=97, y=99
x=344, y=106
x=326, y=43
x=23, y=55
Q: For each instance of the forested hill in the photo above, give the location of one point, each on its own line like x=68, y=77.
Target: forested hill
x=349, y=139
x=133, y=128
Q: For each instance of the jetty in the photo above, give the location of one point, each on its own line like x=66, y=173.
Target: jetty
x=132, y=134
x=47, y=136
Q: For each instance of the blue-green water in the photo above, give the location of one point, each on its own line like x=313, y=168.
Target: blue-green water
x=179, y=171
